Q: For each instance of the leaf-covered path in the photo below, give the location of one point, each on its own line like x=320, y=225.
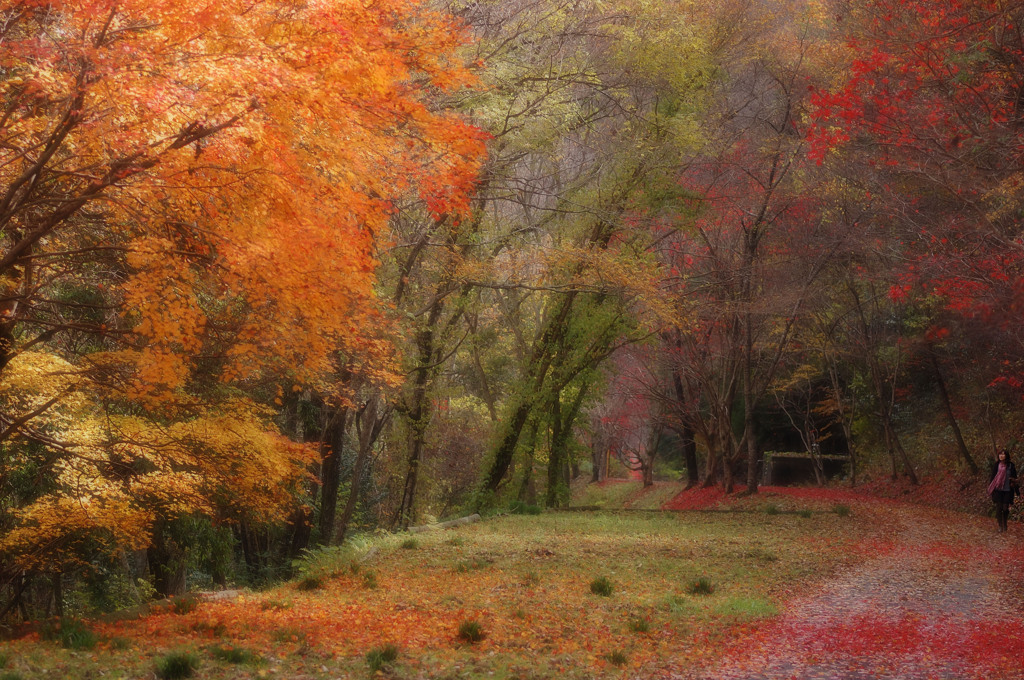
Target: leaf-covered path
x=940, y=599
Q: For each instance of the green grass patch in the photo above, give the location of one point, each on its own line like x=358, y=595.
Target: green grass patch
x=70, y=633
x=602, y=586
x=234, y=655
x=177, y=665
x=679, y=605
x=379, y=657
x=4, y=659
x=617, y=658
x=746, y=608
x=471, y=631
x=410, y=544
x=11, y=675
x=841, y=510
x=700, y=586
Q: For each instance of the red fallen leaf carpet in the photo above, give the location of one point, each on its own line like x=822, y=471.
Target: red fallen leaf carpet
x=943, y=600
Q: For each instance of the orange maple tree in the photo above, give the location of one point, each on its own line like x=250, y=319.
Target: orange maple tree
x=190, y=193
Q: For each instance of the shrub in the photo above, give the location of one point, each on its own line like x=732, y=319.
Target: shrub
x=700, y=586
x=378, y=657
x=410, y=544
x=617, y=658
x=71, y=633
x=332, y=561
x=639, y=624
x=841, y=510
x=231, y=654
x=185, y=604
x=177, y=665
x=471, y=631
x=601, y=586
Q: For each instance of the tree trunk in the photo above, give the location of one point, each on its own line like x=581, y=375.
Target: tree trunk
x=369, y=425
x=537, y=371
x=647, y=466
x=689, y=445
x=944, y=393
x=301, y=527
x=419, y=413
x=712, y=464
x=749, y=438
x=527, y=492
x=892, y=441
x=686, y=432
x=599, y=460
x=844, y=418
x=331, y=475
x=907, y=464
x=57, y=585
x=252, y=548
x=167, y=562
x=556, y=483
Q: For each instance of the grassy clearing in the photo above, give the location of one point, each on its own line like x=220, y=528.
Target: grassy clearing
x=525, y=580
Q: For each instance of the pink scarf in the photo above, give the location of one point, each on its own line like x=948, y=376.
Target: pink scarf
x=999, y=481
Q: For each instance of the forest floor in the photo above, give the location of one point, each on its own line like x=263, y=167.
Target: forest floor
x=803, y=584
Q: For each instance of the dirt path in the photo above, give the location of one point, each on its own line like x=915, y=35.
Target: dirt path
x=927, y=605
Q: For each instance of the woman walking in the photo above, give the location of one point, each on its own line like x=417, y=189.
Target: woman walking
x=1003, y=487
